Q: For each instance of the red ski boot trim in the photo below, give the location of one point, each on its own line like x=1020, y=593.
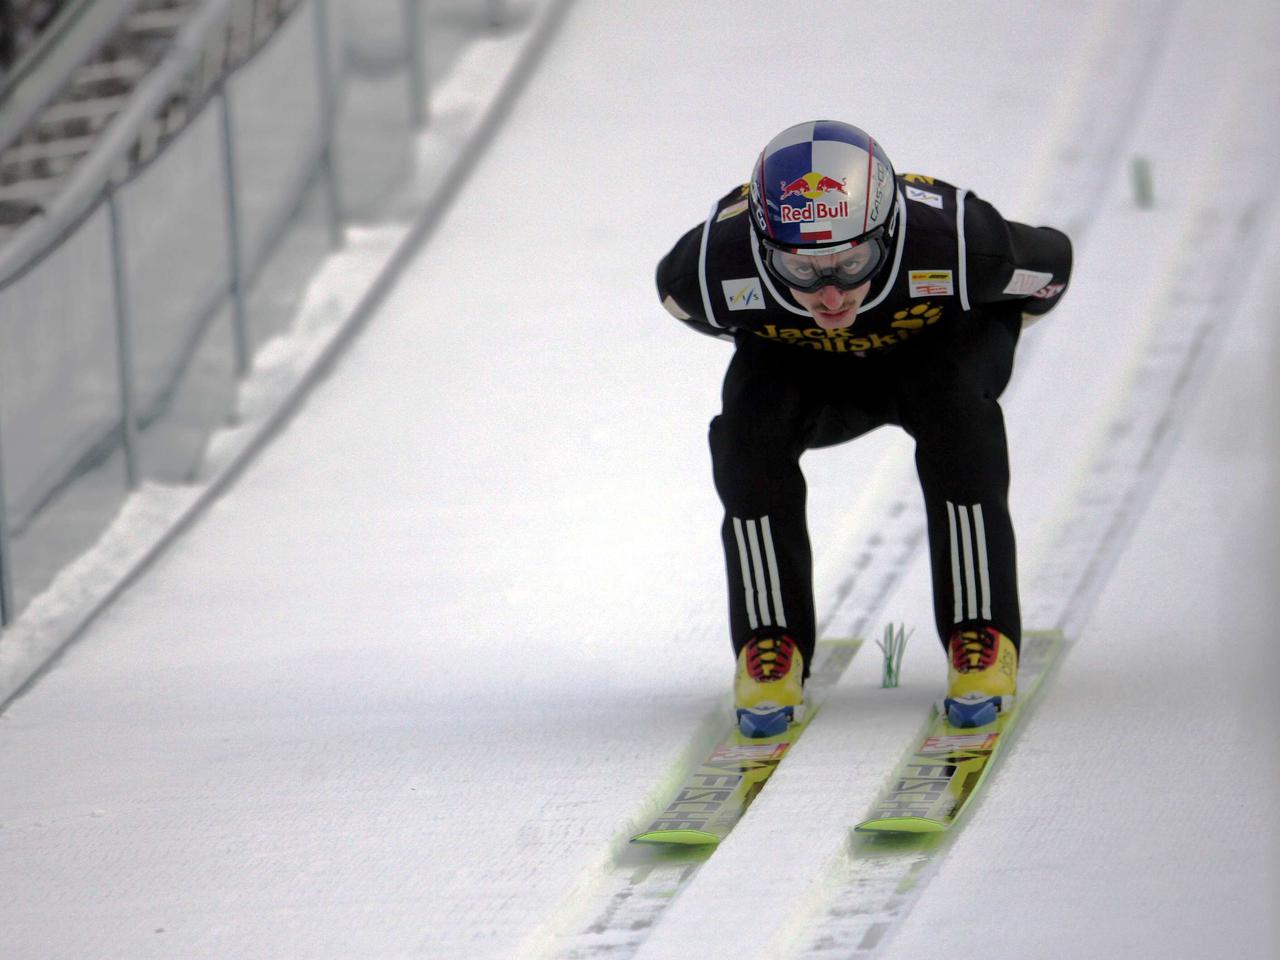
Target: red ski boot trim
x=769, y=658
x=974, y=649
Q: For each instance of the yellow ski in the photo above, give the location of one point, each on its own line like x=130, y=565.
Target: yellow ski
x=935, y=782
x=715, y=794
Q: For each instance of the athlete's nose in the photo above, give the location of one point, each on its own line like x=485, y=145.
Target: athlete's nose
x=832, y=297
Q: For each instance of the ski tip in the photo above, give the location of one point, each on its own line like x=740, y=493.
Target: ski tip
x=686, y=838
x=901, y=825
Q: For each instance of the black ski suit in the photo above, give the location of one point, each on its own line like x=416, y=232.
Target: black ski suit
x=931, y=350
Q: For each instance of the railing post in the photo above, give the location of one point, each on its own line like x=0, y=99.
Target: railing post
x=235, y=285
x=6, y=571
x=328, y=171
x=124, y=339
x=419, y=80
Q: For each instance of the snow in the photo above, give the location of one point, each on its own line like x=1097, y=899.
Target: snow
x=403, y=689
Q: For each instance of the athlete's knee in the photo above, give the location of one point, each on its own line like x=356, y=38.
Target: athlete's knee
x=753, y=440
x=953, y=414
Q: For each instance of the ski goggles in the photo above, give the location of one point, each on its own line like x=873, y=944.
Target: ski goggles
x=808, y=270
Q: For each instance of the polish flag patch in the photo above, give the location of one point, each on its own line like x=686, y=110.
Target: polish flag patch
x=1024, y=283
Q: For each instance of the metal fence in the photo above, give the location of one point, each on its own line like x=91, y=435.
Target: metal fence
x=131, y=310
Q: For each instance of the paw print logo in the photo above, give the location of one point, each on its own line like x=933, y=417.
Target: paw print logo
x=921, y=315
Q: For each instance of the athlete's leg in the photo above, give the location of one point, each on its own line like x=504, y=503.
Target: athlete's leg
x=777, y=402
x=947, y=398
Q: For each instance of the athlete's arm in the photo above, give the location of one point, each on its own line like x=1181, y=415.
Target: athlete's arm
x=679, y=288
x=1007, y=260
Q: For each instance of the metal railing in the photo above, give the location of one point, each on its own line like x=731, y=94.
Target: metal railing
x=131, y=310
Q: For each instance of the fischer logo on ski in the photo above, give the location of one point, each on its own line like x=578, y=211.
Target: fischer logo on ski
x=715, y=794
x=934, y=783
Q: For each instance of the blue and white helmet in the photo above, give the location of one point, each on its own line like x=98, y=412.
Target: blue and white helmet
x=824, y=187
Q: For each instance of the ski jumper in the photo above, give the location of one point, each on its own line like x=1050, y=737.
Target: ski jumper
x=930, y=351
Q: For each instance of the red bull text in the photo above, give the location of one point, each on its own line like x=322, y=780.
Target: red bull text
x=815, y=210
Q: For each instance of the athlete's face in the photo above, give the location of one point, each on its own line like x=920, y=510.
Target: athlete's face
x=831, y=307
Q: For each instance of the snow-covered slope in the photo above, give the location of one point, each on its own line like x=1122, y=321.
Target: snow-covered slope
x=404, y=688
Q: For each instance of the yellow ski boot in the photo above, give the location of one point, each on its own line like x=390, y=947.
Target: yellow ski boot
x=768, y=691
x=983, y=676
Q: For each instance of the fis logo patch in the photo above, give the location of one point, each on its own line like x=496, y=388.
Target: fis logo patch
x=744, y=294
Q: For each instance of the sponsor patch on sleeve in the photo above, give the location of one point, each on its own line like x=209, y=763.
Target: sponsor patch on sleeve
x=674, y=308
x=744, y=294
x=731, y=211
x=925, y=196
x=930, y=283
x=1024, y=283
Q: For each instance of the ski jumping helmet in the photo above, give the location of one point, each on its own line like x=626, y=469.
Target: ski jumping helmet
x=819, y=189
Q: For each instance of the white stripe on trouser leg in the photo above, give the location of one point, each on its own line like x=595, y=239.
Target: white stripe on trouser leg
x=966, y=551
x=955, y=562
x=762, y=588
x=969, y=542
x=748, y=589
x=773, y=572
x=984, y=573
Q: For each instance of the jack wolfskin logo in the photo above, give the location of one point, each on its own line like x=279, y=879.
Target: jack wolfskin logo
x=914, y=318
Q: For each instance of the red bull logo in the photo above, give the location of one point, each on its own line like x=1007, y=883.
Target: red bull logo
x=812, y=186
